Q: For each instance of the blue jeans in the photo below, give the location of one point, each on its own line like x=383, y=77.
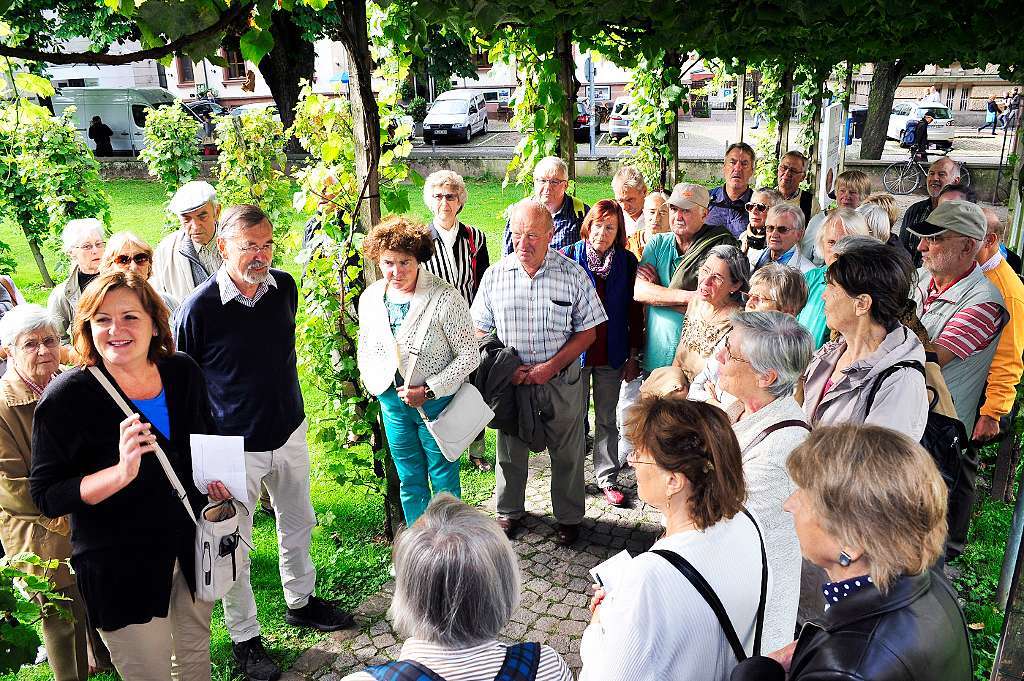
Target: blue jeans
x=416, y=454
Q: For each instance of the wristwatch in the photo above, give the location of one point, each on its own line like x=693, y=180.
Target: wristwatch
x=428, y=392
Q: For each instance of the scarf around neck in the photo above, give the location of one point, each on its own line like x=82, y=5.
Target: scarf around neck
x=600, y=265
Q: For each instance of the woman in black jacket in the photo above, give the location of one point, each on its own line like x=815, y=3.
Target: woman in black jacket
x=870, y=509
x=132, y=541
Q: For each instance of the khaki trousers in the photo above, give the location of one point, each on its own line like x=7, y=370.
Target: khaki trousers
x=173, y=647
x=65, y=640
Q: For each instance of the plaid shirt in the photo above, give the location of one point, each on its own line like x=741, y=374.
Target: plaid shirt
x=537, y=315
x=229, y=292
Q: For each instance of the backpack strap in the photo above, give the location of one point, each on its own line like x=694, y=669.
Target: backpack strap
x=712, y=599
x=472, y=248
x=521, y=662
x=886, y=373
x=578, y=208
x=788, y=423
x=402, y=670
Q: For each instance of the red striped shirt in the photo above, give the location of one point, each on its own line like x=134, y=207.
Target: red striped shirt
x=972, y=329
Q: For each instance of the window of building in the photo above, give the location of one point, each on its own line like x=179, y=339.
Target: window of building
x=236, y=64
x=965, y=98
x=950, y=94
x=186, y=74
x=480, y=60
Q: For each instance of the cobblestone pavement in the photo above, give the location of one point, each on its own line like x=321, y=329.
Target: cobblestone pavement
x=556, y=583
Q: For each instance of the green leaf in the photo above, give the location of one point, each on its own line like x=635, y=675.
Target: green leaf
x=255, y=45
x=30, y=82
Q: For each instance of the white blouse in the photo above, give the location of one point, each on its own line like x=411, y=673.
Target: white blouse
x=655, y=625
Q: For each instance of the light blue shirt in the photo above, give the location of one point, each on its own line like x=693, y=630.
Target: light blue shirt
x=664, y=324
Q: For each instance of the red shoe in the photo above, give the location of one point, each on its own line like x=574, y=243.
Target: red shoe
x=614, y=496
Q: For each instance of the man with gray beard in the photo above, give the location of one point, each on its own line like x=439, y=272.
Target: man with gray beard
x=239, y=326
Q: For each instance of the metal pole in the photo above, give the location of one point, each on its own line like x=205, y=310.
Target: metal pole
x=1012, y=548
x=741, y=100
x=593, y=105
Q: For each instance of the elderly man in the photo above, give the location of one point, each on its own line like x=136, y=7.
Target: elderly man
x=630, y=190
x=729, y=202
x=792, y=171
x=239, y=326
x=550, y=179
x=964, y=315
x=189, y=256
x=667, y=277
x=544, y=306
x=1007, y=364
x=784, y=227
x=655, y=221
x=942, y=172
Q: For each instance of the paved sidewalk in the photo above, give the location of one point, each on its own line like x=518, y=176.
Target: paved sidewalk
x=556, y=583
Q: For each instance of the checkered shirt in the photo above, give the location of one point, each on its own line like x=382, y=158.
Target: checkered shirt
x=537, y=315
x=229, y=292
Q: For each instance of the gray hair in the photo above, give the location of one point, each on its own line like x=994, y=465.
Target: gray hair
x=237, y=219
x=76, y=231
x=786, y=286
x=445, y=178
x=773, y=195
x=792, y=211
x=852, y=221
x=736, y=261
x=551, y=163
x=631, y=178
x=457, y=576
x=877, y=219
x=853, y=242
x=773, y=341
x=26, y=318
x=531, y=205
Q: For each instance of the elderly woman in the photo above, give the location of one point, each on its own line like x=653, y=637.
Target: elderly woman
x=457, y=585
x=133, y=546
x=878, y=222
x=652, y=623
x=392, y=311
x=30, y=335
x=753, y=241
x=460, y=254
x=83, y=243
x=128, y=252
x=722, y=281
x=889, y=616
x=840, y=222
x=854, y=378
x=761, y=362
x=655, y=222
x=851, y=188
x=614, y=355
x=773, y=288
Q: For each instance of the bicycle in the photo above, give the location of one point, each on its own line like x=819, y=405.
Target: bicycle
x=904, y=177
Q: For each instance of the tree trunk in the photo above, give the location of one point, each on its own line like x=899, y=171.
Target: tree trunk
x=884, y=82
x=847, y=94
x=741, y=101
x=40, y=262
x=290, y=61
x=671, y=176
x=569, y=85
x=812, y=148
x=782, y=115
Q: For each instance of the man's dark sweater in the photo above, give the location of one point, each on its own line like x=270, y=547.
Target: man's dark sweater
x=916, y=214
x=248, y=357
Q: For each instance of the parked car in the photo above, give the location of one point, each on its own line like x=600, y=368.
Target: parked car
x=456, y=115
x=581, y=125
x=259, y=106
x=618, y=122
x=122, y=109
x=941, y=130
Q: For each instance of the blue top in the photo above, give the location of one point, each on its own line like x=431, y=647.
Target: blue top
x=155, y=409
x=812, y=317
x=664, y=324
x=728, y=213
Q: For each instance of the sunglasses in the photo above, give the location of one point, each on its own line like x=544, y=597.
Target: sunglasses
x=138, y=258
x=758, y=207
x=778, y=229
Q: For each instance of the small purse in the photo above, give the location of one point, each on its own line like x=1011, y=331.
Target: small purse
x=465, y=416
x=217, y=534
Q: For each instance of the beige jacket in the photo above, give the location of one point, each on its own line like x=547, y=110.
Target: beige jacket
x=22, y=526
x=172, y=272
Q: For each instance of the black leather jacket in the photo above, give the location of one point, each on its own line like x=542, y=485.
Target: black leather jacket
x=915, y=632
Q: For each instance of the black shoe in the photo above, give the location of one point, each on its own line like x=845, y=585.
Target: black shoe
x=319, y=614
x=253, y=661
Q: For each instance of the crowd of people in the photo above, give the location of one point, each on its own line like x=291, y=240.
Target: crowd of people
x=766, y=368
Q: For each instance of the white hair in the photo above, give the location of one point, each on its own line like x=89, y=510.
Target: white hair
x=551, y=163
x=23, y=319
x=77, y=230
x=774, y=341
x=457, y=579
x=877, y=219
x=852, y=221
x=444, y=178
x=630, y=178
x=792, y=211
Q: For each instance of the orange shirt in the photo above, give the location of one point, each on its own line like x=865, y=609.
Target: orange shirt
x=1007, y=365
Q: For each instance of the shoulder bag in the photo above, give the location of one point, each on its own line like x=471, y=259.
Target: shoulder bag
x=466, y=415
x=217, y=534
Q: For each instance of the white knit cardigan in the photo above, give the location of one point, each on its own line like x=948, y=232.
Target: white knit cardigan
x=450, y=350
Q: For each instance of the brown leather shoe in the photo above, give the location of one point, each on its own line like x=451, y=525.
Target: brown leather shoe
x=481, y=464
x=508, y=526
x=567, y=534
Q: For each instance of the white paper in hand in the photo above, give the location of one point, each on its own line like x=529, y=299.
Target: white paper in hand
x=610, y=572
x=220, y=457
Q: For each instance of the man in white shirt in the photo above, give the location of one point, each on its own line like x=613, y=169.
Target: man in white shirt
x=630, y=191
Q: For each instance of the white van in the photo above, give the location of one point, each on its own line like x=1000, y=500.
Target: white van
x=457, y=115
x=123, y=109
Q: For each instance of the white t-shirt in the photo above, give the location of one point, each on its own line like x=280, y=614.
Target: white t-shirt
x=448, y=237
x=633, y=226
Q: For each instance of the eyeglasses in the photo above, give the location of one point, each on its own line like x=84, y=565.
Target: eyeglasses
x=704, y=274
x=253, y=248
x=790, y=170
x=551, y=182
x=446, y=197
x=94, y=245
x=778, y=228
x=50, y=342
x=529, y=236
x=728, y=351
x=757, y=300
x=633, y=461
x=759, y=207
x=138, y=259
x=938, y=238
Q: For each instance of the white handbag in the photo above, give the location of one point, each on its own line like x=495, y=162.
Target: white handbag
x=217, y=534
x=466, y=415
